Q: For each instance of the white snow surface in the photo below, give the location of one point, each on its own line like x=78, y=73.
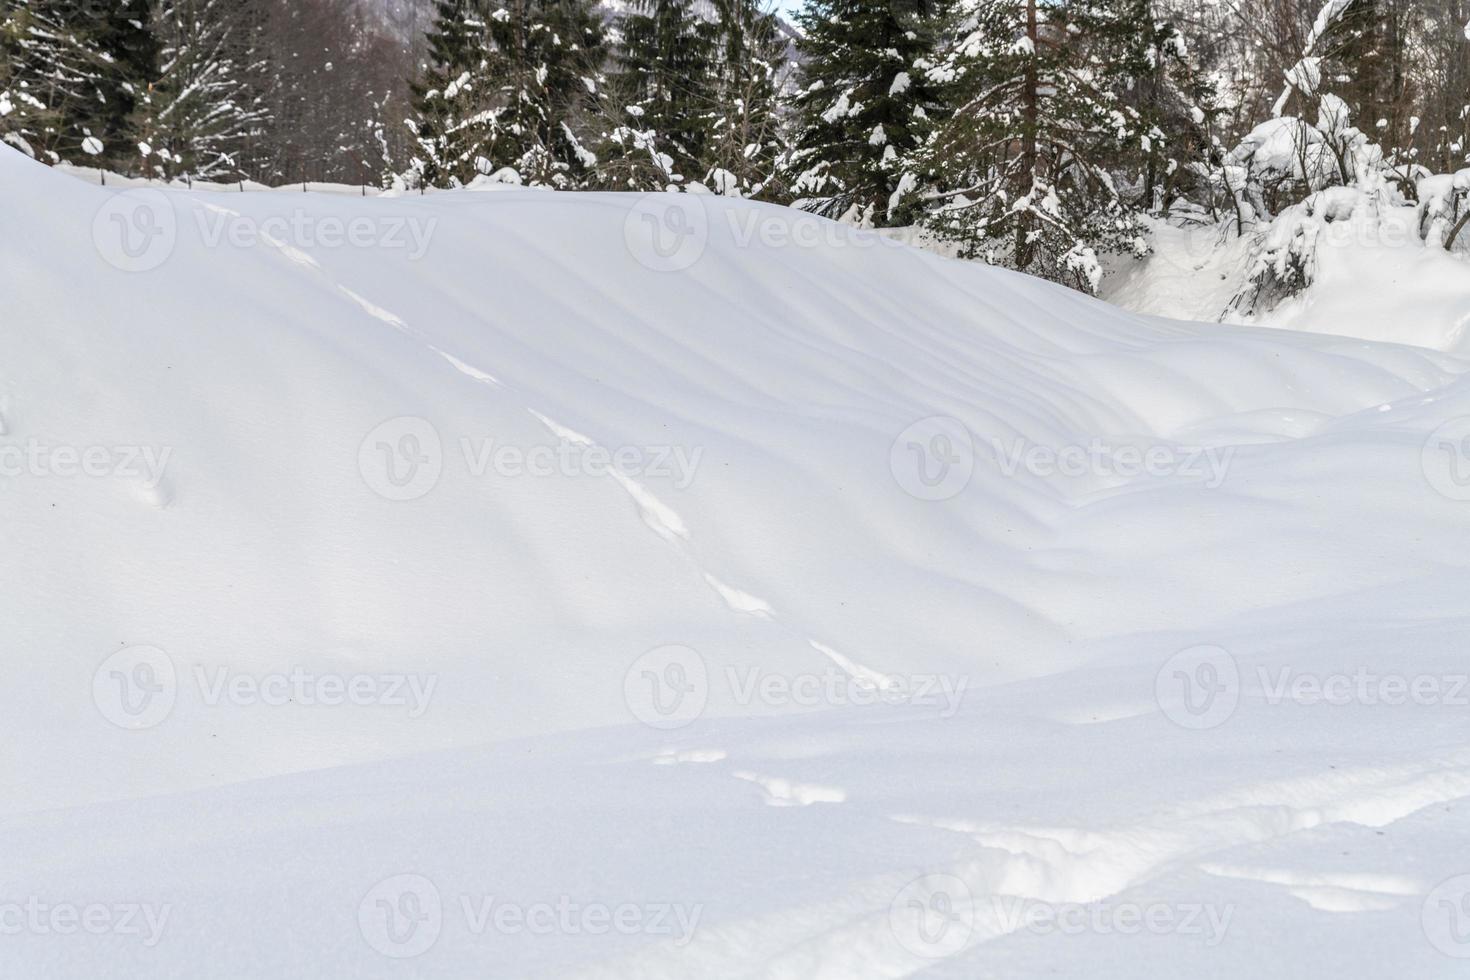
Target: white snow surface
x=1095, y=735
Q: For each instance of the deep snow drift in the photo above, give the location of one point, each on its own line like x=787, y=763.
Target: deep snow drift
x=500, y=584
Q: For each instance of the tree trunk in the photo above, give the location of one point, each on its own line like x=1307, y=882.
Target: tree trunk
x=1025, y=222
x=1449, y=242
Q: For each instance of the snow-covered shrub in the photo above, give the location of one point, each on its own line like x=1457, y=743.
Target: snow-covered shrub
x=1285, y=260
x=1444, y=210
x=1285, y=159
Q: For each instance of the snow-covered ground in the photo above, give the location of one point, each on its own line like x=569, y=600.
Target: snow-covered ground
x=532, y=585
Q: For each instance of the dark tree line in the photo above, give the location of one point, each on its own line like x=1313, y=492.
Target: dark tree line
x=273, y=90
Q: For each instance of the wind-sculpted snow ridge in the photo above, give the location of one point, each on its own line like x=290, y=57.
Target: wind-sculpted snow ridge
x=523, y=584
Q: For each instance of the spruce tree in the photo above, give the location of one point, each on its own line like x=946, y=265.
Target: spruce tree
x=57, y=78
x=545, y=59
x=201, y=112
x=451, y=100
x=744, y=140
x=1025, y=165
x=1144, y=59
x=662, y=107
x=125, y=36
x=23, y=116
x=866, y=101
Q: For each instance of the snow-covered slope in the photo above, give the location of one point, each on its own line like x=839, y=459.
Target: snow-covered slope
x=377, y=658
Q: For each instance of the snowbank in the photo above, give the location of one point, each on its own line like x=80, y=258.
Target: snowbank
x=349, y=507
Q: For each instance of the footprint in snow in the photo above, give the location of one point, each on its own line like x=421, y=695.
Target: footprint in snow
x=785, y=792
x=671, y=757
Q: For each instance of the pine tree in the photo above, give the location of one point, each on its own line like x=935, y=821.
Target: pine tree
x=744, y=140
x=663, y=106
x=866, y=101
x=545, y=59
x=22, y=115
x=126, y=39
x=451, y=99
x=200, y=113
x=1025, y=163
x=57, y=77
x=1146, y=62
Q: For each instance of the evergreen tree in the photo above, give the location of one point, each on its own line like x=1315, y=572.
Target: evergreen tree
x=451, y=99
x=663, y=107
x=744, y=139
x=1025, y=163
x=57, y=77
x=200, y=113
x=545, y=58
x=22, y=115
x=866, y=101
x=1145, y=60
x=126, y=39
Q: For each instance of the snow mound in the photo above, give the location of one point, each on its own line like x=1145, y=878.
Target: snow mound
x=460, y=473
